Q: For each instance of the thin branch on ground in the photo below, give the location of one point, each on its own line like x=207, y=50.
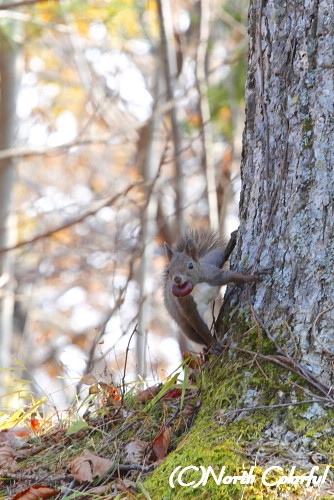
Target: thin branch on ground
x=269, y=407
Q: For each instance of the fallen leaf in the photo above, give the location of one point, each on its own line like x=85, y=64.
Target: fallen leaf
x=147, y=394
x=94, y=389
x=161, y=442
x=128, y=487
x=190, y=360
x=81, y=469
x=87, y=466
x=15, y=436
x=88, y=379
x=7, y=456
x=35, y=492
x=30, y=452
x=134, y=451
x=172, y=394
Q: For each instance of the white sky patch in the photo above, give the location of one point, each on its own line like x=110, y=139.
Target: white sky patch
x=27, y=100
x=53, y=200
x=66, y=129
x=183, y=20
x=139, y=46
x=123, y=78
x=98, y=259
x=97, y=31
x=85, y=316
x=36, y=64
x=73, y=359
x=133, y=90
x=44, y=204
x=107, y=214
x=81, y=193
x=72, y=297
x=169, y=349
x=38, y=135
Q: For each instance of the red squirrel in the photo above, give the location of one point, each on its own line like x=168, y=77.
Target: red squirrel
x=193, y=278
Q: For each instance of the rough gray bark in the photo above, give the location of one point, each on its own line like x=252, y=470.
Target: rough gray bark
x=8, y=94
x=286, y=207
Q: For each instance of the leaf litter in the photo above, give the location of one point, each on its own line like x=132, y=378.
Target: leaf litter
x=107, y=453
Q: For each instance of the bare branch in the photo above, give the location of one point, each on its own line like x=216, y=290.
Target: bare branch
x=92, y=212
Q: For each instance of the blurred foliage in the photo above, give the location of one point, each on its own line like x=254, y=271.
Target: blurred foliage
x=87, y=96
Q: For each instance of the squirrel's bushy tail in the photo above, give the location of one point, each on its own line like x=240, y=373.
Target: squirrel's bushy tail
x=205, y=239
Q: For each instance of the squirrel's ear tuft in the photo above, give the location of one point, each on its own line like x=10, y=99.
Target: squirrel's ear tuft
x=191, y=249
x=169, y=251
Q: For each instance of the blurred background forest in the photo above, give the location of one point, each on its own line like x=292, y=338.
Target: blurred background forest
x=121, y=124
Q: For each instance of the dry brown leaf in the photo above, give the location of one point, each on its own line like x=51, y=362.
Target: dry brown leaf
x=134, y=451
x=192, y=361
x=161, y=442
x=147, y=394
x=88, y=379
x=128, y=487
x=15, y=436
x=87, y=466
x=7, y=456
x=35, y=492
x=172, y=394
x=81, y=469
x=94, y=389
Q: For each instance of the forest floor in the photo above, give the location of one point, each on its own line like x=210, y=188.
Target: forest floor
x=106, y=453
x=111, y=446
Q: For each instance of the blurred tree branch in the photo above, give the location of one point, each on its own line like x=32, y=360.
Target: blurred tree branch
x=100, y=204
x=24, y=3
x=170, y=71
x=101, y=139
x=208, y=158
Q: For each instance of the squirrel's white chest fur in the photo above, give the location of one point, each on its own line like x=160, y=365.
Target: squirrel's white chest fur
x=204, y=294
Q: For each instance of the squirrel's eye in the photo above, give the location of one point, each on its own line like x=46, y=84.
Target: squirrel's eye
x=190, y=265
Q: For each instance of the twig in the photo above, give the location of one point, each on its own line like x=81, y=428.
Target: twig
x=269, y=407
x=33, y=477
x=293, y=366
x=325, y=350
x=126, y=360
x=287, y=326
x=101, y=332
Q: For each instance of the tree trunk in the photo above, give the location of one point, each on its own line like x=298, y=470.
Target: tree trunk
x=170, y=72
x=269, y=403
x=286, y=207
x=8, y=95
x=151, y=157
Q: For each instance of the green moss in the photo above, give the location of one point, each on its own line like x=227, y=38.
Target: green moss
x=224, y=436
x=307, y=140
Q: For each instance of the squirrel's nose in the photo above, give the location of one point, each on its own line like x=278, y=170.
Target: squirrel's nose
x=177, y=279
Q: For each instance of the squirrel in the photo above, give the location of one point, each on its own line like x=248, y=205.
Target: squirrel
x=193, y=278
